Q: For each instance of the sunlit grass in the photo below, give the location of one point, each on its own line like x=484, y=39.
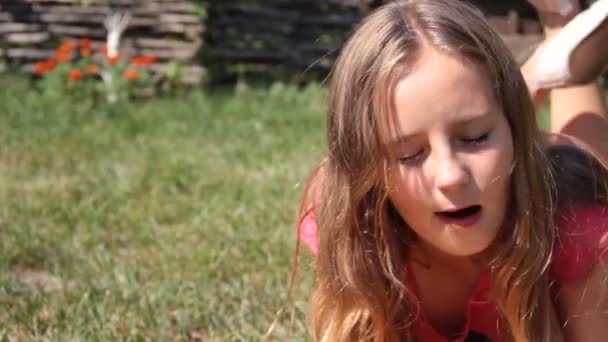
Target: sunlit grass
x=172, y=218
x=162, y=221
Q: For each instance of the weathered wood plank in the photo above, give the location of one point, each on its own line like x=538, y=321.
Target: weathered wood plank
x=83, y=31
x=183, y=8
x=25, y=8
x=180, y=18
x=19, y=27
x=163, y=43
x=88, y=2
x=26, y=38
x=4, y=17
x=177, y=54
x=177, y=7
x=26, y=53
x=69, y=18
x=188, y=30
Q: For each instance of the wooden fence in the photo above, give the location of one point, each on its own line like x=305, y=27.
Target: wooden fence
x=30, y=30
x=304, y=36
x=299, y=36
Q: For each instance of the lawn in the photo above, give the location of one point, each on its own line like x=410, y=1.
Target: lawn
x=167, y=220
x=171, y=219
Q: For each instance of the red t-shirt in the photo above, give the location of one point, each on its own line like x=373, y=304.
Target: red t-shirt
x=582, y=243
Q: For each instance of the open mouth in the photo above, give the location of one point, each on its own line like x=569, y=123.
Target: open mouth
x=464, y=217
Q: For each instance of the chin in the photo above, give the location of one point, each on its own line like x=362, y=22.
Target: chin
x=469, y=248
x=473, y=245
x=474, y=250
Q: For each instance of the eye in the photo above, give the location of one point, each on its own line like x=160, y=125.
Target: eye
x=476, y=140
x=411, y=158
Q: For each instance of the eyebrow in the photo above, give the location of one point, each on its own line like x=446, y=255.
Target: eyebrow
x=403, y=138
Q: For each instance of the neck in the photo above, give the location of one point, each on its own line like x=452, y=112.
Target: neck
x=429, y=256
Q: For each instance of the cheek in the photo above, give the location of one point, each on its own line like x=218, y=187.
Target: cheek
x=498, y=165
x=495, y=167
x=406, y=189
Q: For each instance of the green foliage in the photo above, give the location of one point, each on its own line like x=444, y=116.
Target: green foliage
x=200, y=9
x=173, y=219
x=171, y=80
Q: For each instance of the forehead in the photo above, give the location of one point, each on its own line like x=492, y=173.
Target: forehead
x=440, y=89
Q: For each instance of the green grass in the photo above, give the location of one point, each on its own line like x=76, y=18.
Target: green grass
x=169, y=219
x=164, y=221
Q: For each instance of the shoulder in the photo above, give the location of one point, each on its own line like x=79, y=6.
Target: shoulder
x=582, y=242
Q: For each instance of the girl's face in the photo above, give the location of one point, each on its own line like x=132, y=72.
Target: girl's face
x=451, y=154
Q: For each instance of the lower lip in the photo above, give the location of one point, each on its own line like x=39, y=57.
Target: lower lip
x=461, y=222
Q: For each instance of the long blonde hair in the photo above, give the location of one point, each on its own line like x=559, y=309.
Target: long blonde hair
x=360, y=292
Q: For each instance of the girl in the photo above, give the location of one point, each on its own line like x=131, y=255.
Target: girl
x=440, y=213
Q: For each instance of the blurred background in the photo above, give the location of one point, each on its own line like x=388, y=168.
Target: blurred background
x=152, y=155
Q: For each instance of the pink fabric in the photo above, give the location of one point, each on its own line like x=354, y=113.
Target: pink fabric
x=308, y=232
x=582, y=243
x=481, y=314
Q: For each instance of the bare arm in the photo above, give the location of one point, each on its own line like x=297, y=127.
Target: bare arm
x=578, y=111
x=583, y=307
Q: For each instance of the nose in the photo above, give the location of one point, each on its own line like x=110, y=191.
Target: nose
x=450, y=172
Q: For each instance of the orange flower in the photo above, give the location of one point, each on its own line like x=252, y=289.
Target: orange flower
x=63, y=55
x=143, y=60
x=130, y=74
x=112, y=60
x=85, y=52
x=75, y=75
x=104, y=48
x=92, y=69
x=42, y=68
x=66, y=47
x=85, y=43
x=138, y=60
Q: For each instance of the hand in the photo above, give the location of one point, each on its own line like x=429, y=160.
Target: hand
x=561, y=7
x=555, y=13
